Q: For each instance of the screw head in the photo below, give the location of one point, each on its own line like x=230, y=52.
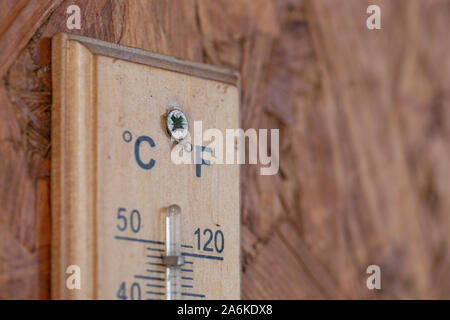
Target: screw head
x=177, y=124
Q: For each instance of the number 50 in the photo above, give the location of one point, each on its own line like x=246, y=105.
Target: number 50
x=134, y=220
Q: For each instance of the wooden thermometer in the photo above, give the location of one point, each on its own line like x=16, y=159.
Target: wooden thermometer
x=127, y=221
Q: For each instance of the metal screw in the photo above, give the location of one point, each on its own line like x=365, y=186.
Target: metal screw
x=177, y=124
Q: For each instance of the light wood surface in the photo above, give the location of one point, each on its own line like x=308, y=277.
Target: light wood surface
x=98, y=101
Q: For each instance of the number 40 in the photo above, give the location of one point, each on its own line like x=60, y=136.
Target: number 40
x=135, y=291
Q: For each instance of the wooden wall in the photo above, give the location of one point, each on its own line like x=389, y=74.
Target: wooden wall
x=364, y=119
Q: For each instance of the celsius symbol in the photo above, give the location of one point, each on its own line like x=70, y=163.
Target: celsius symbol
x=127, y=136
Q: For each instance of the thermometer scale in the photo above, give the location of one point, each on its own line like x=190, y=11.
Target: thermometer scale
x=135, y=224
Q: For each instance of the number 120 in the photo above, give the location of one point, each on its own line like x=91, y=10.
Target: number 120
x=218, y=238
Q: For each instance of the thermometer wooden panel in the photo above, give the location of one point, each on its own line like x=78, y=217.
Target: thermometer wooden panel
x=113, y=176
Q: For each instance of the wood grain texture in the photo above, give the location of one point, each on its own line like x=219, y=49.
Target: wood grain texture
x=365, y=130
x=19, y=21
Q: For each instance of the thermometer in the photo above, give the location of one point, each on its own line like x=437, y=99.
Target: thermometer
x=127, y=221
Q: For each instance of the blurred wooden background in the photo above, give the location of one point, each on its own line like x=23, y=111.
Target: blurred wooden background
x=364, y=119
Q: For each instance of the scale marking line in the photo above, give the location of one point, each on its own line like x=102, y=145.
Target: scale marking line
x=186, y=286
x=187, y=278
x=157, y=293
x=156, y=257
x=195, y=255
x=155, y=271
x=149, y=278
x=156, y=264
x=192, y=294
x=187, y=270
x=149, y=241
x=139, y=240
x=154, y=249
x=154, y=285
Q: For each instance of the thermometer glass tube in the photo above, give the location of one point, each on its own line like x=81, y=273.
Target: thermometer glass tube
x=174, y=260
